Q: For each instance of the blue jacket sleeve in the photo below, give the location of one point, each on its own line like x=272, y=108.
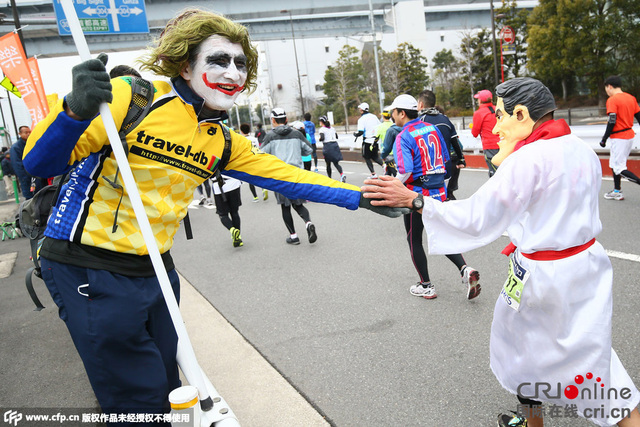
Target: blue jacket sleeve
x=51, y=152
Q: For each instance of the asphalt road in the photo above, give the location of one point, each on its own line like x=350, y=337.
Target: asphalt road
x=337, y=321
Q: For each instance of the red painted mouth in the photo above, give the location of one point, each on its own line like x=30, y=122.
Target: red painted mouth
x=227, y=89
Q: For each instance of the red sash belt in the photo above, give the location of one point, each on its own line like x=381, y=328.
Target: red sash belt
x=550, y=255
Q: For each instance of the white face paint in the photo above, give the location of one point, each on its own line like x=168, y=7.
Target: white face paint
x=219, y=72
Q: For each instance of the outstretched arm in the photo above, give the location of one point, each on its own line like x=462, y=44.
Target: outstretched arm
x=388, y=191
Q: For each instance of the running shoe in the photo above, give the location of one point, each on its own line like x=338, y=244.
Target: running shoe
x=210, y=205
x=311, y=232
x=424, y=290
x=255, y=199
x=202, y=200
x=373, y=176
x=265, y=194
x=471, y=278
x=235, y=237
x=506, y=420
x=343, y=178
x=614, y=195
x=316, y=170
x=294, y=241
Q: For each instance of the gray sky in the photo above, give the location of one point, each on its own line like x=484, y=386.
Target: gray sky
x=56, y=72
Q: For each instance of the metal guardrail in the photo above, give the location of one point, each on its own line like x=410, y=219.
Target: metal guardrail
x=573, y=116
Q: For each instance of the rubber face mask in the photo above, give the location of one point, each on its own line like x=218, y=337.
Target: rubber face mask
x=511, y=129
x=219, y=72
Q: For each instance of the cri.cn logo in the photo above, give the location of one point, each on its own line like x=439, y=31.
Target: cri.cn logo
x=581, y=389
x=12, y=417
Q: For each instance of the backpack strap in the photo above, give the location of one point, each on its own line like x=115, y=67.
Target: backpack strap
x=224, y=159
x=226, y=151
x=141, y=101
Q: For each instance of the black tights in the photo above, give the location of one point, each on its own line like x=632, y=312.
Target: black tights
x=369, y=163
x=253, y=190
x=207, y=188
x=618, y=178
x=288, y=218
x=336, y=164
x=232, y=219
x=415, y=228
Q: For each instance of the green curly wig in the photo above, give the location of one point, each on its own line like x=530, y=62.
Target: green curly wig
x=179, y=43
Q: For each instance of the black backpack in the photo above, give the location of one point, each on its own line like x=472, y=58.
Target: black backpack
x=33, y=214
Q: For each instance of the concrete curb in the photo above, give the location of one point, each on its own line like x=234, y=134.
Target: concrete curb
x=257, y=393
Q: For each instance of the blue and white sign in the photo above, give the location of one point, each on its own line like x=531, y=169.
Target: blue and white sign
x=105, y=16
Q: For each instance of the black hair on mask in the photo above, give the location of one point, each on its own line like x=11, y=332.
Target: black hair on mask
x=528, y=92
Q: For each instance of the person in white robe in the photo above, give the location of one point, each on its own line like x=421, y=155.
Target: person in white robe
x=551, y=331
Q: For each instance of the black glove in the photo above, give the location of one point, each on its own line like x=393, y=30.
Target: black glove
x=603, y=143
x=383, y=210
x=357, y=134
x=91, y=87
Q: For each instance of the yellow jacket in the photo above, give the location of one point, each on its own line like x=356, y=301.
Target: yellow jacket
x=171, y=152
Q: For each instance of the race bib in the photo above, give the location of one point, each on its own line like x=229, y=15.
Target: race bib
x=513, y=287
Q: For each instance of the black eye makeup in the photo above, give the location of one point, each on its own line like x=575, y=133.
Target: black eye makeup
x=223, y=60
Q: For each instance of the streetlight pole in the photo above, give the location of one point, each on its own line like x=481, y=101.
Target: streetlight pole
x=493, y=39
x=375, y=57
x=295, y=51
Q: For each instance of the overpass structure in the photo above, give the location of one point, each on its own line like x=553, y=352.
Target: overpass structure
x=270, y=20
x=315, y=31
x=265, y=20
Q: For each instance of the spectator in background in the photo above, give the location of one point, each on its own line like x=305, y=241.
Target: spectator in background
x=382, y=128
x=366, y=129
x=306, y=159
x=24, y=179
x=330, y=148
x=245, y=130
x=228, y=202
x=310, y=128
x=388, y=151
x=123, y=70
x=260, y=133
x=484, y=120
x=621, y=108
x=289, y=145
x=430, y=114
x=7, y=170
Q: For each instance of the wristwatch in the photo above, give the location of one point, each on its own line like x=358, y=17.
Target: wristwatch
x=417, y=203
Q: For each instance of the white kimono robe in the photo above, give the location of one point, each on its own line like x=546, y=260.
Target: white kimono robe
x=545, y=195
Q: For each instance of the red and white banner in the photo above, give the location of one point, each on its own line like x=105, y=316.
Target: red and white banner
x=14, y=65
x=37, y=80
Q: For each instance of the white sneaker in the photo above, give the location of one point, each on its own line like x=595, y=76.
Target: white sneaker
x=423, y=290
x=614, y=195
x=343, y=178
x=373, y=176
x=471, y=278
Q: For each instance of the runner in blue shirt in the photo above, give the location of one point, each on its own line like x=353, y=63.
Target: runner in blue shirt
x=310, y=127
x=421, y=154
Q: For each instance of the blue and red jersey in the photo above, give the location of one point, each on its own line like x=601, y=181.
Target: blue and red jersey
x=421, y=153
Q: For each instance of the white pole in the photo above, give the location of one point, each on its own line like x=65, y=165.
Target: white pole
x=186, y=356
x=375, y=57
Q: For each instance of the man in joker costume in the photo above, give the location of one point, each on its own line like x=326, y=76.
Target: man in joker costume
x=94, y=259
x=552, y=320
